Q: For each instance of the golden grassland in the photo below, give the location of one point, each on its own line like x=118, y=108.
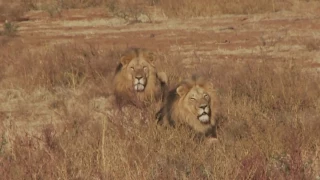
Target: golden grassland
x=268, y=123
x=58, y=120
x=172, y=8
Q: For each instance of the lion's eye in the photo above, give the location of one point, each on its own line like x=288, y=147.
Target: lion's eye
x=132, y=68
x=206, y=96
x=192, y=98
x=145, y=68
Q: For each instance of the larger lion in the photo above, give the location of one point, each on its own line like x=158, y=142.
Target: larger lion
x=136, y=80
x=193, y=103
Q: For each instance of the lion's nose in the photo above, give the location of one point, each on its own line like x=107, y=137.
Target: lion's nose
x=203, y=106
x=138, y=77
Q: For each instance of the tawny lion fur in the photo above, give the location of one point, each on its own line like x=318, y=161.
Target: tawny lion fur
x=136, y=80
x=185, y=102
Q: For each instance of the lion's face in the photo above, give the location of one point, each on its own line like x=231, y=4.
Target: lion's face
x=138, y=72
x=139, y=66
x=196, y=100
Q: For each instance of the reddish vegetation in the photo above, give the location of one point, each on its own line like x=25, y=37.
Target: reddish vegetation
x=57, y=119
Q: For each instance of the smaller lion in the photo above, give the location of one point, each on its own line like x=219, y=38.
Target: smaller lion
x=137, y=81
x=193, y=103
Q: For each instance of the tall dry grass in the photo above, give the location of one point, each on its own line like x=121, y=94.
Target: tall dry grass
x=187, y=8
x=268, y=123
x=133, y=9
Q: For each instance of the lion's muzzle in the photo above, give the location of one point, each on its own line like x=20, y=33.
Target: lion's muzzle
x=203, y=113
x=139, y=83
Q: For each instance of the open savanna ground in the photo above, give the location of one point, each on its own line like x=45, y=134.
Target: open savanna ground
x=58, y=119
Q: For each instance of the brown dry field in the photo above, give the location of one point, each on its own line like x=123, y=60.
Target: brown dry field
x=58, y=120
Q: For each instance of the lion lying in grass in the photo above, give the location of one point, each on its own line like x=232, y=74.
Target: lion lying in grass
x=193, y=103
x=136, y=80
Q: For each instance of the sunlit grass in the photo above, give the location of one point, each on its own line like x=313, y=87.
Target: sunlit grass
x=268, y=122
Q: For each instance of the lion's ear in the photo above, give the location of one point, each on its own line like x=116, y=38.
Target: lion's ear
x=209, y=86
x=181, y=90
x=125, y=59
x=163, y=77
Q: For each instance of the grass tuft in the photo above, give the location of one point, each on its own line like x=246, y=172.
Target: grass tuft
x=9, y=29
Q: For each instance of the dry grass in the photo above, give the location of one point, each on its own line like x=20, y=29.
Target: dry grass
x=58, y=120
x=177, y=8
x=268, y=124
x=187, y=8
x=12, y=10
x=9, y=29
x=132, y=10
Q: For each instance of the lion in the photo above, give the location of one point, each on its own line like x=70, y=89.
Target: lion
x=136, y=79
x=193, y=102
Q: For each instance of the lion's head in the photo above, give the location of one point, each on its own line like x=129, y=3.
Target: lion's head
x=192, y=102
x=139, y=66
x=137, y=76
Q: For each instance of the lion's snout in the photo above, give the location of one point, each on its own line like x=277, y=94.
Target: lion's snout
x=203, y=113
x=139, y=83
x=138, y=77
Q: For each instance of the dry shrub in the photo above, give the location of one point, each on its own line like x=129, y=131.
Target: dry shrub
x=66, y=65
x=172, y=66
x=12, y=11
x=268, y=122
x=270, y=86
x=269, y=104
x=9, y=29
x=313, y=45
x=189, y=8
x=65, y=4
x=248, y=6
x=132, y=10
x=52, y=156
